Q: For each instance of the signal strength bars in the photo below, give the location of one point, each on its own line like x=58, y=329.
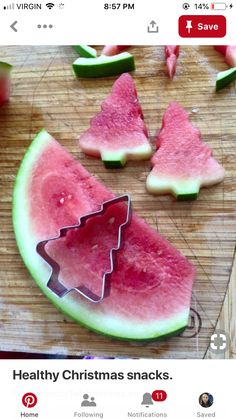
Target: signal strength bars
x=9, y=7
x=48, y=5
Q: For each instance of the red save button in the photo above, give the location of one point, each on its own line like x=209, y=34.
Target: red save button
x=195, y=26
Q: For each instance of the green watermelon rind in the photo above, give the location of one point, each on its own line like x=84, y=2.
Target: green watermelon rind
x=118, y=327
x=104, y=66
x=5, y=67
x=85, y=51
x=113, y=159
x=225, y=77
x=181, y=189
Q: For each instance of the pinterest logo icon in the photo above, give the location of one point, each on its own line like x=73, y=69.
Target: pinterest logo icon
x=29, y=400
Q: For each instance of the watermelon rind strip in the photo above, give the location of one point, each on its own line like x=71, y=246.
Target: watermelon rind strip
x=77, y=308
x=104, y=66
x=85, y=51
x=225, y=77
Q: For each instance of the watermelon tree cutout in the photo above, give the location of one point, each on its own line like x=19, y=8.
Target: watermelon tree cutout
x=82, y=245
x=118, y=132
x=5, y=73
x=152, y=283
x=182, y=162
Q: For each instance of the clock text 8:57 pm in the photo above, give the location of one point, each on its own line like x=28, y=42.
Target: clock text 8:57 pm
x=116, y=6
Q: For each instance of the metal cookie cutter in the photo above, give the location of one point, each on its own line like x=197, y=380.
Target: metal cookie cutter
x=55, y=285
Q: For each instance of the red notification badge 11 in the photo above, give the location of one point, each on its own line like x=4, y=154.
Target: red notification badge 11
x=159, y=395
x=207, y=26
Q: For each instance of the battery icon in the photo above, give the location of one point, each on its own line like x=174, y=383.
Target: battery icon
x=218, y=6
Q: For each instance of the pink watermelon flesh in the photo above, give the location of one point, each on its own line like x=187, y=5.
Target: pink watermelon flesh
x=171, y=49
x=4, y=82
x=230, y=55
x=118, y=133
x=171, y=54
x=229, y=51
x=152, y=283
x=182, y=162
x=171, y=65
x=114, y=49
x=88, y=245
x=221, y=48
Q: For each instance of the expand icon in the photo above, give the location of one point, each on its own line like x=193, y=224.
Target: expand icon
x=219, y=342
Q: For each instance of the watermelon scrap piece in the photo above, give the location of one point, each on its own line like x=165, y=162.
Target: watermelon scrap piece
x=171, y=54
x=182, y=162
x=85, y=51
x=118, y=132
x=151, y=286
x=104, y=66
x=5, y=82
x=229, y=51
x=110, y=50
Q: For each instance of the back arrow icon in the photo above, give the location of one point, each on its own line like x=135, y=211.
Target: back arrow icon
x=13, y=26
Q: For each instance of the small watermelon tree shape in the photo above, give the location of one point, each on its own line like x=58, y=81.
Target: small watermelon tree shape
x=118, y=133
x=182, y=162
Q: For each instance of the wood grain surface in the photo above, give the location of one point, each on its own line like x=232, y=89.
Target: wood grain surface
x=46, y=94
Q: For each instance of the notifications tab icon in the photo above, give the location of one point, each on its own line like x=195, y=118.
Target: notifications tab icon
x=204, y=26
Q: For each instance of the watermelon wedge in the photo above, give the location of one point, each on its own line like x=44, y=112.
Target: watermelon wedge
x=114, y=49
x=171, y=54
x=151, y=286
x=182, y=162
x=229, y=51
x=118, y=133
x=5, y=71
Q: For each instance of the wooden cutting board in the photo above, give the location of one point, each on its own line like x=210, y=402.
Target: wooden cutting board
x=46, y=94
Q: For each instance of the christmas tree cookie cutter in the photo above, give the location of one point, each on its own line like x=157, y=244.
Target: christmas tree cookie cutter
x=54, y=283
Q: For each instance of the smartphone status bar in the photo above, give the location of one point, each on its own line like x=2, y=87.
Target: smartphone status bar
x=100, y=22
